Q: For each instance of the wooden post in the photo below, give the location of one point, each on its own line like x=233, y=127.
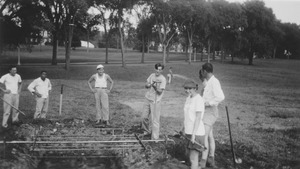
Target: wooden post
x=60, y=100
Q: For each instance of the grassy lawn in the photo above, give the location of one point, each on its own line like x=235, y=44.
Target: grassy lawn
x=263, y=101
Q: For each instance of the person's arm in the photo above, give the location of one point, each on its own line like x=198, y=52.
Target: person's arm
x=49, y=85
x=92, y=78
x=32, y=90
x=111, y=82
x=196, y=125
x=19, y=85
x=148, y=83
x=2, y=86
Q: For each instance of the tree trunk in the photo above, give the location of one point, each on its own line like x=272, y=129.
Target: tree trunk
x=148, y=45
x=208, y=50
x=274, y=52
x=106, y=44
x=250, y=58
x=54, y=48
x=88, y=41
x=143, y=49
x=168, y=53
x=121, y=43
x=164, y=54
x=190, y=49
x=68, y=47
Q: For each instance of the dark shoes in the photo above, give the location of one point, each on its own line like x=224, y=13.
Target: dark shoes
x=211, y=162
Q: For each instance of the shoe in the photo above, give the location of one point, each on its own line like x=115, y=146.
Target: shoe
x=202, y=163
x=211, y=162
x=98, y=121
x=5, y=126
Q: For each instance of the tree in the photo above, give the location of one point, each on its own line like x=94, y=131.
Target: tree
x=72, y=8
x=192, y=14
x=119, y=8
x=165, y=15
x=260, y=20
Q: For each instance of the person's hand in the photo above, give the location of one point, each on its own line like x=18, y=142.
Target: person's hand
x=7, y=91
x=107, y=91
x=37, y=94
x=94, y=90
x=193, y=138
x=206, y=104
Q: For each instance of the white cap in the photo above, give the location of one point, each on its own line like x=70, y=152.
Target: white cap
x=100, y=66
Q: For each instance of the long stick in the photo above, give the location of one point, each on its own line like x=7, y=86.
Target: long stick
x=13, y=107
x=233, y=155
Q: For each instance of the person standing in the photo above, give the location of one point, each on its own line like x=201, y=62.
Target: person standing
x=156, y=83
x=13, y=85
x=40, y=87
x=193, y=125
x=212, y=95
x=101, y=91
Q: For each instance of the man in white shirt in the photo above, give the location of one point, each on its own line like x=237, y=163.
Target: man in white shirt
x=13, y=85
x=212, y=95
x=156, y=83
x=40, y=87
x=101, y=94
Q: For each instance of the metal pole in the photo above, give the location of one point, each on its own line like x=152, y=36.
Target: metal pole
x=60, y=100
x=233, y=155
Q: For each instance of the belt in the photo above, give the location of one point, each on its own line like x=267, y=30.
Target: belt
x=101, y=87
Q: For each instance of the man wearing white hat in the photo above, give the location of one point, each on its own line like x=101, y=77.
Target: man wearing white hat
x=101, y=91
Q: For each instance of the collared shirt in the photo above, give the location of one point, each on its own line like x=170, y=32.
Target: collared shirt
x=41, y=86
x=11, y=82
x=191, y=106
x=213, y=93
x=160, y=84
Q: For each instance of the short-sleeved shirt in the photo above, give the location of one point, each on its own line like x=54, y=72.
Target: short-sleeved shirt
x=160, y=82
x=191, y=106
x=11, y=82
x=41, y=86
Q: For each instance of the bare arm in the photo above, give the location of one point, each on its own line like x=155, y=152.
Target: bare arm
x=92, y=78
x=196, y=125
x=111, y=82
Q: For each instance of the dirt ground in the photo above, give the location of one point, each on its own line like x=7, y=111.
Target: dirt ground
x=263, y=103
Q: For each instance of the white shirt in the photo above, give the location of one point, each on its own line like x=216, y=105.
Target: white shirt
x=11, y=82
x=41, y=86
x=161, y=84
x=191, y=106
x=100, y=81
x=213, y=93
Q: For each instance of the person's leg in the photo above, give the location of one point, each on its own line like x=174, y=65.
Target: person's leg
x=194, y=155
x=145, y=117
x=38, y=108
x=206, y=144
x=104, y=106
x=45, y=107
x=212, y=148
x=98, y=108
x=155, y=118
x=6, y=108
x=15, y=103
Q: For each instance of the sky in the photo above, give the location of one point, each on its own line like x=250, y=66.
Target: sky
x=284, y=10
